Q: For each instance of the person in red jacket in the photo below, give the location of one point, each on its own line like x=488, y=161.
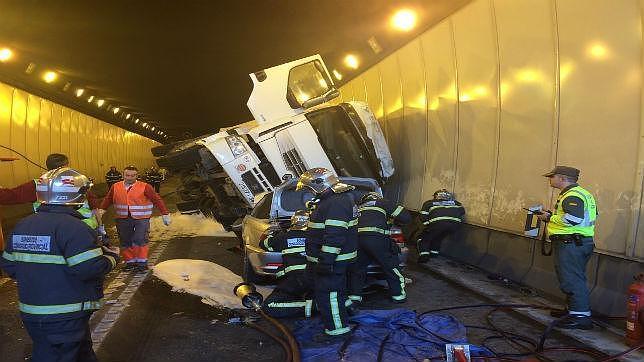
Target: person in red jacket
x=133, y=202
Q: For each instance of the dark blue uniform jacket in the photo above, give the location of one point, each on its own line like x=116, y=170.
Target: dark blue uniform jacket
x=291, y=243
x=54, y=258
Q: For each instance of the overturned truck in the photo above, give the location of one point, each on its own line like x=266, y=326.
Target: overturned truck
x=296, y=127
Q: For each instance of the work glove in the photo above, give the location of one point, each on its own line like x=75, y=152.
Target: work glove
x=324, y=269
x=111, y=251
x=166, y=220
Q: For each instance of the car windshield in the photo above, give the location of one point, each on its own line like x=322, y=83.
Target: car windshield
x=341, y=143
x=263, y=207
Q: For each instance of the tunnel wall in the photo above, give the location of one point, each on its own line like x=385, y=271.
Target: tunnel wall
x=37, y=127
x=496, y=94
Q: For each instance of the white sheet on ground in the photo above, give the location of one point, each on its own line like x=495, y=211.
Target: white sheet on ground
x=186, y=226
x=211, y=281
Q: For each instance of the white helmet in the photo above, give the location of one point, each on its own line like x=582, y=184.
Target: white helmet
x=62, y=186
x=320, y=179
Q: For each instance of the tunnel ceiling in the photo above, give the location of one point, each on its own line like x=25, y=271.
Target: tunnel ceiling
x=183, y=65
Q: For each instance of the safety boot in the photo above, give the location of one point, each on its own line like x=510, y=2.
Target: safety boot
x=575, y=322
x=423, y=259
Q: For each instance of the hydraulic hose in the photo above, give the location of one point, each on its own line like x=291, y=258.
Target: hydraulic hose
x=292, y=343
x=23, y=156
x=276, y=338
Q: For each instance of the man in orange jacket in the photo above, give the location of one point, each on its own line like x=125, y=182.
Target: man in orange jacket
x=133, y=202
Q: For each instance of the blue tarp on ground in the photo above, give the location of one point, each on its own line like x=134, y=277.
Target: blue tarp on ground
x=406, y=338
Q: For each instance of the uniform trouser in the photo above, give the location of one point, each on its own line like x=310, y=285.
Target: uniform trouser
x=432, y=236
x=61, y=341
x=380, y=248
x=570, y=265
x=133, y=234
x=330, y=299
x=292, y=296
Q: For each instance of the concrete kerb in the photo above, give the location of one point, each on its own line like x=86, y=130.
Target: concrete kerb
x=607, y=340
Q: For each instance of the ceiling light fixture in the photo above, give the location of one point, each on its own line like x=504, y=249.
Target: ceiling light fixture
x=5, y=54
x=351, y=61
x=127, y=116
x=79, y=92
x=144, y=124
x=337, y=74
x=116, y=110
x=90, y=99
x=49, y=76
x=100, y=103
x=136, y=121
x=404, y=20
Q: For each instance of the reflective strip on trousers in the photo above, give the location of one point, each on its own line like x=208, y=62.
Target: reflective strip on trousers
x=331, y=249
x=290, y=269
x=372, y=229
x=335, y=310
x=341, y=257
x=59, y=308
x=296, y=250
x=441, y=218
x=401, y=278
x=397, y=212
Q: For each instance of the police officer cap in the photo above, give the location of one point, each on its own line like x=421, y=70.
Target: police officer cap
x=563, y=170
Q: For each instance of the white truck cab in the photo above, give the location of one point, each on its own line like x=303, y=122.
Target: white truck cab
x=295, y=129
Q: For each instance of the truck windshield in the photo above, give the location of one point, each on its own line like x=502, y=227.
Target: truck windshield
x=342, y=142
x=308, y=81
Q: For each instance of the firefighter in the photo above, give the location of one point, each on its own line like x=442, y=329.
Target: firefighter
x=154, y=178
x=374, y=243
x=133, y=202
x=113, y=176
x=571, y=229
x=58, y=267
x=441, y=217
x=293, y=295
x=331, y=245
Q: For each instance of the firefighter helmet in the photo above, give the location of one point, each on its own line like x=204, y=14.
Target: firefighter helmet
x=62, y=186
x=443, y=194
x=370, y=196
x=318, y=180
x=299, y=220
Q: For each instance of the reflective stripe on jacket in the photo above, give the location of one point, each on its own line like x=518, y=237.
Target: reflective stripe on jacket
x=131, y=201
x=559, y=225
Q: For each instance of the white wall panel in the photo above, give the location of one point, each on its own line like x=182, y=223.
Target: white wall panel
x=413, y=128
x=440, y=80
x=18, y=133
x=599, y=47
x=528, y=98
x=44, y=131
x=393, y=108
x=373, y=86
x=476, y=54
x=31, y=137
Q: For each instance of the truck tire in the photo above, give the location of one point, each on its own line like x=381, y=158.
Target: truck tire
x=179, y=160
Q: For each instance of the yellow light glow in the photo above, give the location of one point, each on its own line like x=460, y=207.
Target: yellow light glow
x=153, y=128
x=337, y=74
x=351, y=61
x=49, y=77
x=90, y=99
x=127, y=116
x=304, y=96
x=404, y=20
x=136, y=121
x=505, y=89
x=528, y=76
x=434, y=104
x=116, y=110
x=597, y=51
x=465, y=97
x=5, y=54
x=480, y=91
x=144, y=124
x=79, y=92
x=564, y=71
x=100, y=103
